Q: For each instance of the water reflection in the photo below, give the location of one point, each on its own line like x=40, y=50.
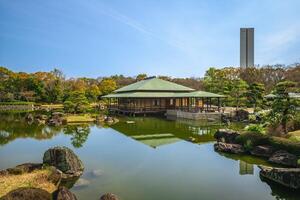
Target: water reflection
x=14, y=126
x=246, y=168
x=156, y=132
x=122, y=165
x=78, y=132
x=281, y=192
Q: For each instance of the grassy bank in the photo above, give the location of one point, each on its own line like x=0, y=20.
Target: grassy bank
x=36, y=179
x=84, y=118
x=251, y=139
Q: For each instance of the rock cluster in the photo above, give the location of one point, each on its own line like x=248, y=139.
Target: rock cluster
x=262, y=151
x=56, y=119
x=289, y=177
x=64, y=165
x=229, y=148
x=241, y=115
x=284, y=158
x=226, y=135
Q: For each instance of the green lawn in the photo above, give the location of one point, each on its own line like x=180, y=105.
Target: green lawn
x=79, y=118
x=294, y=135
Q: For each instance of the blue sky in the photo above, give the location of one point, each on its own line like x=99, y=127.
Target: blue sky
x=159, y=37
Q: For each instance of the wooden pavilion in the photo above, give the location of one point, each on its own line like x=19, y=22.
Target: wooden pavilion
x=154, y=95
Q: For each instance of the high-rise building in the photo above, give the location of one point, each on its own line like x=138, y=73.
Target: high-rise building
x=247, y=47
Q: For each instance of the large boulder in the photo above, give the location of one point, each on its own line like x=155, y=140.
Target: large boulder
x=27, y=194
x=241, y=115
x=262, y=150
x=63, y=194
x=109, y=196
x=289, y=177
x=226, y=135
x=229, y=148
x=65, y=160
x=284, y=158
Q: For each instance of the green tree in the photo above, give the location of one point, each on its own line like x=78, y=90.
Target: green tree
x=76, y=102
x=141, y=77
x=255, y=95
x=93, y=93
x=107, y=85
x=236, y=91
x=283, y=107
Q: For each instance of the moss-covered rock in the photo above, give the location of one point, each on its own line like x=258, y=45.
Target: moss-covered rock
x=65, y=160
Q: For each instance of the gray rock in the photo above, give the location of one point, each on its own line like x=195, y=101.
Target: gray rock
x=284, y=158
x=65, y=160
x=241, y=115
x=109, y=120
x=229, y=148
x=226, y=135
x=81, y=183
x=109, y=196
x=27, y=194
x=262, y=150
x=63, y=194
x=289, y=177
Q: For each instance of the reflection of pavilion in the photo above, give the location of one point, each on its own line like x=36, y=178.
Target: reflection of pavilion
x=156, y=132
x=155, y=140
x=246, y=168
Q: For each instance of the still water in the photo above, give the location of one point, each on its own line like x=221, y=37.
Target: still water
x=152, y=158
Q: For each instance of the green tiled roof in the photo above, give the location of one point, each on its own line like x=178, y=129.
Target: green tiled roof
x=198, y=94
x=162, y=94
x=154, y=84
x=140, y=95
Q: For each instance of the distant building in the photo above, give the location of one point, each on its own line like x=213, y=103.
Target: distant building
x=247, y=47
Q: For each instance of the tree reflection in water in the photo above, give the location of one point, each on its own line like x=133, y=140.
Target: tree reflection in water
x=79, y=133
x=14, y=126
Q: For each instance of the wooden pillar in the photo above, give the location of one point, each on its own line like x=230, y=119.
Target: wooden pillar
x=218, y=104
x=206, y=104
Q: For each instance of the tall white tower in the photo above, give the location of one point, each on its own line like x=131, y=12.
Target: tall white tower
x=247, y=47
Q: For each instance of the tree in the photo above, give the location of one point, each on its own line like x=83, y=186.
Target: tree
x=107, y=85
x=236, y=90
x=255, y=94
x=141, y=77
x=93, y=93
x=76, y=102
x=283, y=107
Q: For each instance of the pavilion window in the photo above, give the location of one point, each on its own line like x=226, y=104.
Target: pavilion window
x=156, y=102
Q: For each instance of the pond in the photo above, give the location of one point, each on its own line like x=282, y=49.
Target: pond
x=151, y=158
